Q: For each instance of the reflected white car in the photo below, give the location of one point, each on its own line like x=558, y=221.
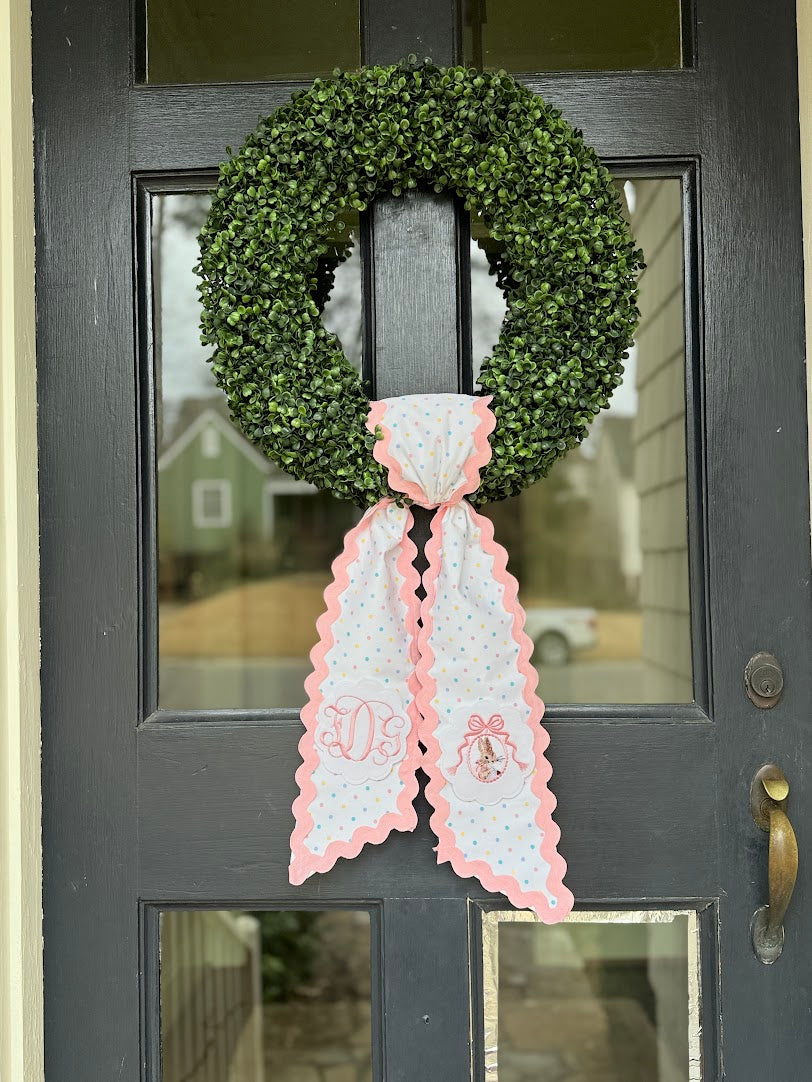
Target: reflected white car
x=559, y=632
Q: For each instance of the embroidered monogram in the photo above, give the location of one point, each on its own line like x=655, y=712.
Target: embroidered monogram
x=362, y=733
x=363, y=728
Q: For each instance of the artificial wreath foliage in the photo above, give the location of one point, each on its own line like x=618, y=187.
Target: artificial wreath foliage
x=546, y=197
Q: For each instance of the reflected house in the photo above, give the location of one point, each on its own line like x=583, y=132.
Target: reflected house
x=616, y=507
x=573, y=538
x=227, y=513
x=245, y=550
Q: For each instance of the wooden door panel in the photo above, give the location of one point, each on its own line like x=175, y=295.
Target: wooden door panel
x=216, y=818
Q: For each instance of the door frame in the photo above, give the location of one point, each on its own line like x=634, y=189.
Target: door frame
x=803, y=53
x=21, y=987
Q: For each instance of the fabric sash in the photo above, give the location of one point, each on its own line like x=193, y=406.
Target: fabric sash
x=445, y=685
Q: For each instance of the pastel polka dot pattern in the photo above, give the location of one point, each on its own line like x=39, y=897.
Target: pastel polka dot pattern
x=368, y=642
x=452, y=672
x=476, y=662
x=433, y=445
x=366, y=647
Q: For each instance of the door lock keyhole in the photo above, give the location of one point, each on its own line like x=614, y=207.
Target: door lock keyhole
x=764, y=680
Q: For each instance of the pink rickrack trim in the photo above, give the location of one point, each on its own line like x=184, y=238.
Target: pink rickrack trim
x=382, y=454
x=447, y=849
x=422, y=688
x=481, y=456
x=408, y=594
x=303, y=861
x=483, y=452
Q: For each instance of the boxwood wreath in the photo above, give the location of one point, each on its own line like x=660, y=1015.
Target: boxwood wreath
x=569, y=266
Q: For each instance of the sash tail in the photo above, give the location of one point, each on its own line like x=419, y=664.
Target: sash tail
x=481, y=721
x=360, y=748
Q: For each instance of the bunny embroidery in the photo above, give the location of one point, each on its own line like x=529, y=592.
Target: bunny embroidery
x=489, y=765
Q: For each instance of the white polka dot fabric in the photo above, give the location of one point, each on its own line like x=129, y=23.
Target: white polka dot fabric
x=445, y=685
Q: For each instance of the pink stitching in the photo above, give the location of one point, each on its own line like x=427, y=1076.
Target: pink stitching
x=373, y=718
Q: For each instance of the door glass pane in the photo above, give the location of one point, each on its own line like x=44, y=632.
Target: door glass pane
x=244, y=550
x=600, y=545
x=212, y=41
x=542, y=35
x=255, y=997
x=602, y=997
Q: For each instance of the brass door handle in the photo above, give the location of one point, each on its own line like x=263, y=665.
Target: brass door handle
x=768, y=801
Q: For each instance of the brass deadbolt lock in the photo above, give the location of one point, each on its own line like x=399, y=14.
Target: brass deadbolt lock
x=764, y=680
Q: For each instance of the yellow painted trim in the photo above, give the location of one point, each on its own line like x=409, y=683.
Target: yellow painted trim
x=21, y=1057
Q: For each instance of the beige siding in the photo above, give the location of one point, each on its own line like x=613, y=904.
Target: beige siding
x=660, y=442
x=661, y=590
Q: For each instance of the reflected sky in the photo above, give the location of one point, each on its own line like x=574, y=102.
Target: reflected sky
x=185, y=371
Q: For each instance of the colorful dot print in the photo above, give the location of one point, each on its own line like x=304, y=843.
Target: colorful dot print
x=480, y=664
x=431, y=437
x=370, y=644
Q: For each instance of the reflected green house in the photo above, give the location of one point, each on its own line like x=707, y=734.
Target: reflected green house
x=226, y=513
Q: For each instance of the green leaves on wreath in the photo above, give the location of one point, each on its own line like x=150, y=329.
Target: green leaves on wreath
x=569, y=265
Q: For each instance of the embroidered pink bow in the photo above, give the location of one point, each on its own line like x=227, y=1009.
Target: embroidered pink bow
x=392, y=674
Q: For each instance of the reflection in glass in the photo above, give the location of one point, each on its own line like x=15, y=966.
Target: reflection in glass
x=487, y=297
x=602, y=997
x=600, y=545
x=540, y=35
x=211, y=41
x=265, y=997
x=244, y=550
